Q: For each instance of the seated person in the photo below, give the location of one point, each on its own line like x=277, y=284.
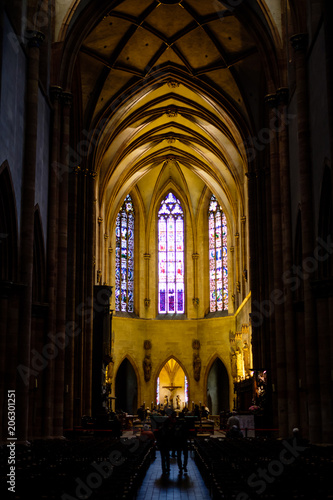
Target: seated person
x=234, y=432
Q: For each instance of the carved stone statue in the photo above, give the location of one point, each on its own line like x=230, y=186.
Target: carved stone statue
x=233, y=365
x=147, y=367
x=196, y=366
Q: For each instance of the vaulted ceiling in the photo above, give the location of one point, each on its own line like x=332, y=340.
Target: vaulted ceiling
x=172, y=85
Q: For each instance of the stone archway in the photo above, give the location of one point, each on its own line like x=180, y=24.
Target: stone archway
x=126, y=388
x=218, y=388
x=172, y=385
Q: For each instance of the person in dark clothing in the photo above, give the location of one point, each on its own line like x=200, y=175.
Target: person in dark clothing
x=173, y=447
x=197, y=413
x=164, y=438
x=180, y=438
x=234, y=432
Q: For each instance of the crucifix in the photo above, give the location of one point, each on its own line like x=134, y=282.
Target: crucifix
x=172, y=387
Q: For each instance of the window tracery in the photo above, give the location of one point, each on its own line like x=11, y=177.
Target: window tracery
x=171, y=256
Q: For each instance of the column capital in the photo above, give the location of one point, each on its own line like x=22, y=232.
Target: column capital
x=92, y=173
x=55, y=92
x=34, y=38
x=67, y=98
x=271, y=100
x=76, y=169
x=300, y=41
x=282, y=95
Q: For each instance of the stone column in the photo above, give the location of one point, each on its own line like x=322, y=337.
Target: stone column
x=195, y=299
x=231, y=280
x=106, y=259
x=35, y=38
x=289, y=330
x=59, y=374
x=147, y=257
x=254, y=285
x=238, y=297
x=90, y=242
x=243, y=250
x=55, y=175
x=269, y=355
x=300, y=43
x=275, y=307
x=324, y=378
x=71, y=294
x=328, y=13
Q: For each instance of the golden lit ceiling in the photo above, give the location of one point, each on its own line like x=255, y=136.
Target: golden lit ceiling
x=173, y=89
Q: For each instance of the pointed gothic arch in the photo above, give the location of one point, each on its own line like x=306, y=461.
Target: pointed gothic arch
x=217, y=384
x=127, y=386
x=162, y=365
x=171, y=235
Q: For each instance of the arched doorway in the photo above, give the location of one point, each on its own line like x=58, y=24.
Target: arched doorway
x=126, y=388
x=218, y=388
x=172, y=386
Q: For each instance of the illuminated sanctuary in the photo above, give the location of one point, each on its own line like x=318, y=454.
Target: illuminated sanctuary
x=166, y=210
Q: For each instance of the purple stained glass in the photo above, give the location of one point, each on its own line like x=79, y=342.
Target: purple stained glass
x=162, y=300
x=124, y=282
x=180, y=301
x=171, y=253
x=218, y=265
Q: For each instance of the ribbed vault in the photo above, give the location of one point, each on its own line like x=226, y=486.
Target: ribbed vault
x=169, y=90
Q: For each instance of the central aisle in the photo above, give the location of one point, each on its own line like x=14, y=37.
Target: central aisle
x=174, y=486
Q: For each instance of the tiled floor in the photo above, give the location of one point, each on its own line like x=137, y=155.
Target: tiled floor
x=173, y=486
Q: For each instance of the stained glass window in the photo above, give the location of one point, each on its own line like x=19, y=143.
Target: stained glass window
x=171, y=256
x=218, y=265
x=158, y=391
x=186, y=391
x=124, y=289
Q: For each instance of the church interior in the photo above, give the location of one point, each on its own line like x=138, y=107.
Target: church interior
x=166, y=221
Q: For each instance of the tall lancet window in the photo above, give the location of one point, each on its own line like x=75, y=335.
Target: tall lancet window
x=124, y=289
x=171, y=256
x=218, y=265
